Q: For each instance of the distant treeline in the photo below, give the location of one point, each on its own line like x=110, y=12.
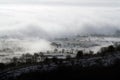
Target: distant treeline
x=41, y=58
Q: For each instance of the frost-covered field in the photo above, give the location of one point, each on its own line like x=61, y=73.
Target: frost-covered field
x=16, y=47
x=86, y=43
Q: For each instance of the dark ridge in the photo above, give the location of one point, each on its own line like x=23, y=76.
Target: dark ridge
x=103, y=65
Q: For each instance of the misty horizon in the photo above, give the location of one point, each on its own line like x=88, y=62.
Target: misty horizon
x=65, y=18
x=59, y=39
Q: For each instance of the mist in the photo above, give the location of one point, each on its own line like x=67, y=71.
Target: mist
x=48, y=20
x=30, y=26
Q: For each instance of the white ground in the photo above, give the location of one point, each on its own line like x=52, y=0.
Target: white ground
x=14, y=47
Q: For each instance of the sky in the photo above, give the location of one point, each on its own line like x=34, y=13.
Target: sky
x=63, y=1
x=58, y=17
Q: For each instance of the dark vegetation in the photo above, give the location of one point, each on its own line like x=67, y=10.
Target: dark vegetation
x=103, y=65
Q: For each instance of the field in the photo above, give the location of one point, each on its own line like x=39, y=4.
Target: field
x=10, y=48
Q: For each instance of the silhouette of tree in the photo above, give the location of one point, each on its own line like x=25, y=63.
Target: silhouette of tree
x=35, y=57
x=42, y=56
x=111, y=48
x=103, y=51
x=15, y=60
x=79, y=54
x=28, y=58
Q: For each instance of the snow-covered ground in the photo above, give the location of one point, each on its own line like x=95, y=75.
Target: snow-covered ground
x=86, y=43
x=16, y=47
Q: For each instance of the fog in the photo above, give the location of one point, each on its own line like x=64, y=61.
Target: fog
x=48, y=20
x=28, y=20
x=11, y=46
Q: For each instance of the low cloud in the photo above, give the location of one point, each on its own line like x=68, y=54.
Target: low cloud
x=51, y=21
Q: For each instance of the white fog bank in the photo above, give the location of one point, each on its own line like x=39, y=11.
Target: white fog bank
x=58, y=20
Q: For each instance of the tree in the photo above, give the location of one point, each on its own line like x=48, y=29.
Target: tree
x=103, y=51
x=55, y=50
x=79, y=54
x=35, y=57
x=42, y=56
x=15, y=60
x=28, y=58
x=111, y=48
x=91, y=53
